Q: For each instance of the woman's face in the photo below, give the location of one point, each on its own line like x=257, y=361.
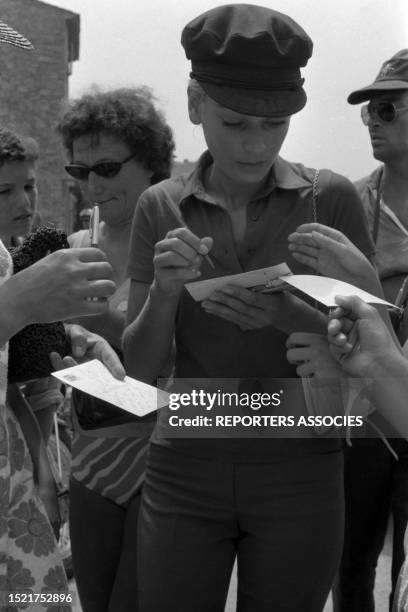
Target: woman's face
x=116, y=196
x=244, y=147
x=18, y=197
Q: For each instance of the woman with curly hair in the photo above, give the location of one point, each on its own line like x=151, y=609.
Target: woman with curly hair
x=118, y=144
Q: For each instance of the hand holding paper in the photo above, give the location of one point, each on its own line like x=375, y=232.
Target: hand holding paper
x=259, y=279
x=129, y=394
x=320, y=288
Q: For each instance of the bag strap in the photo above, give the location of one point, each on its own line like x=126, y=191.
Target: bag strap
x=377, y=209
x=314, y=195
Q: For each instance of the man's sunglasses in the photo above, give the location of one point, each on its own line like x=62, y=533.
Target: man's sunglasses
x=107, y=169
x=385, y=111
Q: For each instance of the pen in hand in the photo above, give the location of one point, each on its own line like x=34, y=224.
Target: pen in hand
x=179, y=216
x=94, y=226
x=94, y=232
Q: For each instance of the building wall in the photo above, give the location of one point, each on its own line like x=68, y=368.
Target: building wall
x=33, y=87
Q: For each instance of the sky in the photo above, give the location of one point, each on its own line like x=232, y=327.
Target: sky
x=133, y=42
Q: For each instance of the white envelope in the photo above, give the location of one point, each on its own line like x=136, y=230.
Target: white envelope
x=324, y=289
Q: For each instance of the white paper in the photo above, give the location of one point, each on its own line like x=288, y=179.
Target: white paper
x=132, y=395
x=200, y=290
x=324, y=289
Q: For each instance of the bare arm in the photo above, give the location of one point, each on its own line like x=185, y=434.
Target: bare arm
x=54, y=288
x=148, y=337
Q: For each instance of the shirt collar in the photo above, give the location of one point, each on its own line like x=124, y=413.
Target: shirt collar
x=287, y=176
x=282, y=175
x=195, y=184
x=374, y=179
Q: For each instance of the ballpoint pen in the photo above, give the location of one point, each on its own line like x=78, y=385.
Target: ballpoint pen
x=94, y=226
x=94, y=233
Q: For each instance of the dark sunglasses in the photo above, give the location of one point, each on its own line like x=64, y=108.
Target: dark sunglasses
x=385, y=111
x=105, y=169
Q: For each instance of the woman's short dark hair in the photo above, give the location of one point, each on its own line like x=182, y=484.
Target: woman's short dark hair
x=128, y=114
x=14, y=147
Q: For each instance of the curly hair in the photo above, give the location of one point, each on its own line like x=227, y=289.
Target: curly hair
x=128, y=114
x=14, y=147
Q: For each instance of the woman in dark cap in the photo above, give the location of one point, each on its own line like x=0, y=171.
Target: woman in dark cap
x=275, y=504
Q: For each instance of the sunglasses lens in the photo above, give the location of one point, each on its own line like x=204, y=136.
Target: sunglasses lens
x=365, y=114
x=386, y=111
x=107, y=169
x=80, y=173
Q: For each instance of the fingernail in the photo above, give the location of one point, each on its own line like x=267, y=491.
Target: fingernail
x=203, y=249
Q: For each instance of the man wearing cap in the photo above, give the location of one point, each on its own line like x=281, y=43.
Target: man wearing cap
x=275, y=504
x=376, y=484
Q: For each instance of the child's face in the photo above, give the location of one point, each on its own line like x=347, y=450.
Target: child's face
x=18, y=197
x=244, y=147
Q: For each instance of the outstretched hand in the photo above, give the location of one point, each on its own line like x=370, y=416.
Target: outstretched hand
x=85, y=346
x=330, y=253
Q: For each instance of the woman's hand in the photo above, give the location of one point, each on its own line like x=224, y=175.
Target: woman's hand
x=60, y=286
x=360, y=341
x=177, y=259
x=330, y=253
x=85, y=346
x=247, y=309
x=311, y=354
x=252, y=310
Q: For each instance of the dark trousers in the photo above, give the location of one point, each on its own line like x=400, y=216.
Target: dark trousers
x=103, y=540
x=283, y=521
x=376, y=485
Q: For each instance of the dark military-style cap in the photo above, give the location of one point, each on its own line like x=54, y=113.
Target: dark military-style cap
x=392, y=76
x=248, y=58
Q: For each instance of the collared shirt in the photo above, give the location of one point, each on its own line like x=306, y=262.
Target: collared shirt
x=208, y=346
x=391, y=254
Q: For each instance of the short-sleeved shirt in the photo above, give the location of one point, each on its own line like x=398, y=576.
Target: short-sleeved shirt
x=391, y=254
x=208, y=346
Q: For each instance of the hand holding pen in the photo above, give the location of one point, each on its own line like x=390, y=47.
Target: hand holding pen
x=180, y=219
x=178, y=258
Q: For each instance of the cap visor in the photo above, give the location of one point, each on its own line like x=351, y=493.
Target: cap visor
x=12, y=37
x=364, y=94
x=276, y=103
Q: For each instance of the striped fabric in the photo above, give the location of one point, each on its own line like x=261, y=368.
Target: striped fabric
x=112, y=467
x=10, y=36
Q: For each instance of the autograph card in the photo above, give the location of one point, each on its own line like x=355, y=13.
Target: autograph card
x=261, y=278
x=129, y=394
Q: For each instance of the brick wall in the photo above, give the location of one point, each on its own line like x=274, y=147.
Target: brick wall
x=33, y=86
